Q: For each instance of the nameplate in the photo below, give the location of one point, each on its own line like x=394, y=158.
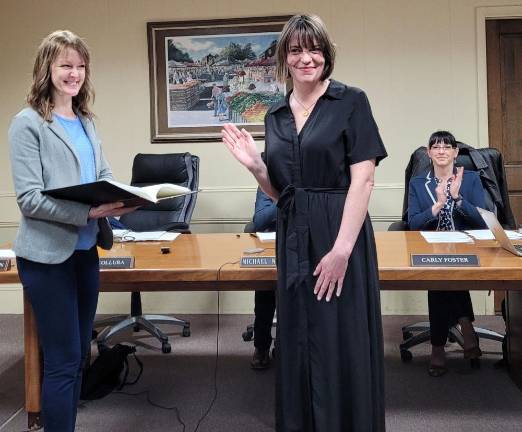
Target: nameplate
x=257, y=261
x=5, y=264
x=116, y=262
x=445, y=260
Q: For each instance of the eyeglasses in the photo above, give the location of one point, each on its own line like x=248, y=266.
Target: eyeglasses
x=445, y=147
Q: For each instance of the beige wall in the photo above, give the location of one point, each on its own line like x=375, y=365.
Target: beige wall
x=421, y=63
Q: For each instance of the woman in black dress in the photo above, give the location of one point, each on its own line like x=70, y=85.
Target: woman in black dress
x=322, y=146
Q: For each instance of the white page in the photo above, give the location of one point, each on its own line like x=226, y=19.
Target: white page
x=266, y=236
x=154, y=192
x=166, y=190
x=155, y=236
x=127, y=235
x=485, y=234
x=7, y=253
x=446, y=237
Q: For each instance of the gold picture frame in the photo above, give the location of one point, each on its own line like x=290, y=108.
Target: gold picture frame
x=205, y=73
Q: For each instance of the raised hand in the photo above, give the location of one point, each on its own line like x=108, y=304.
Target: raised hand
x=456, y=183
x=440, y=190
x=241, y=145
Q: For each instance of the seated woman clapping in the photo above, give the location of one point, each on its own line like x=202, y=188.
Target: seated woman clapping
x=446, y=199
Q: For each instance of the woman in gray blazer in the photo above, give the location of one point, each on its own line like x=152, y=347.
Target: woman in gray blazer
x=53, y=144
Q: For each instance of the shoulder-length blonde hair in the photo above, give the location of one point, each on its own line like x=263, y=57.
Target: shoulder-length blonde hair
x=310, y=32
x=40, y=96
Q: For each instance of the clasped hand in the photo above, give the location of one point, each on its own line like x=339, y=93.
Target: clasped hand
x=454, y=189
x=331, y=271
x=456, y=182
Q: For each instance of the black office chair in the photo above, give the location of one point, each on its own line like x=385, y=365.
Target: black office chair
x=167, y=215
x=489, y=164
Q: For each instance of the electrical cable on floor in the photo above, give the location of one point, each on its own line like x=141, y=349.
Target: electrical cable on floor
x=18, y=411
x=214, y=397
x=217, y=349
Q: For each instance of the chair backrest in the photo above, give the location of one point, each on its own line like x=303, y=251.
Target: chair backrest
x=490, y=166
x=171, y=214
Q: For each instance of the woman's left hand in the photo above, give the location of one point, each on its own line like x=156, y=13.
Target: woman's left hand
x=456, y=183
x=109, y=209
x=331, y=271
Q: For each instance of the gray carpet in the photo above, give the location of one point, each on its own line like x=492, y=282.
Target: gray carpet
x=463, y=400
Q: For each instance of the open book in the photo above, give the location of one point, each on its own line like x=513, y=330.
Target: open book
x=107, y=191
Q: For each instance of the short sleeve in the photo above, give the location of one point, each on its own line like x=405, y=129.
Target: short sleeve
x=365, y=142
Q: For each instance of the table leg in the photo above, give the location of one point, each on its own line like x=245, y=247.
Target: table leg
x=514, y=328
x=33, y=373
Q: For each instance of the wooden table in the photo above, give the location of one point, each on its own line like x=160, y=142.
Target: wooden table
x=210, y=262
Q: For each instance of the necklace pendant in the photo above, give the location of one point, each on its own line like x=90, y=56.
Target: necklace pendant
x=305, y=114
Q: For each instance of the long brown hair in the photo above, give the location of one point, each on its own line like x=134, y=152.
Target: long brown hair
x=40, y=93
x=310, y=31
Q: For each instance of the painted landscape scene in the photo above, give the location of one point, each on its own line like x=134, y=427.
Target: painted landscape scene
x=221, y=78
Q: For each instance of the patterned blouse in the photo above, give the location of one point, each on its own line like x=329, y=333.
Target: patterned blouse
x=446, y=213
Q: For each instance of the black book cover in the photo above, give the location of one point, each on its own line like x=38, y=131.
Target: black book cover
x=97, y=193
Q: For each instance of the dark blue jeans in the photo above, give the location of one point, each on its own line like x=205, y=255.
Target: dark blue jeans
x=64, y=298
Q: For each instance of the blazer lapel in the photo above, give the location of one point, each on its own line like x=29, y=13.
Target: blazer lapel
x=430, y=185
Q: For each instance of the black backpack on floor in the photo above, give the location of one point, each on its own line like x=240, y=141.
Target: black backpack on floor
x=108, y=372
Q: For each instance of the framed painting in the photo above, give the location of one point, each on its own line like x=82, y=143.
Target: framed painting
x=206, y=73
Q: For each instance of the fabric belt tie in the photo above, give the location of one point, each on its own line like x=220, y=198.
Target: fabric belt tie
x=293, y=210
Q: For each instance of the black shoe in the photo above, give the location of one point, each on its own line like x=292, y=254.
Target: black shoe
x=261, y=359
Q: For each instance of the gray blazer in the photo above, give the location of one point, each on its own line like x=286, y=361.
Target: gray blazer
x=42, y=157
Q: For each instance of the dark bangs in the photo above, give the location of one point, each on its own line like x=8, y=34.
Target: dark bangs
x=307, y=37
x=443, y=137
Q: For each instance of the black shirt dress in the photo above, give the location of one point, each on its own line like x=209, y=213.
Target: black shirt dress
x=329, y=354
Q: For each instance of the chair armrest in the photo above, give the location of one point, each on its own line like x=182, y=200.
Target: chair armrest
x=181, y=227
x=249, y=227
x=399, y=226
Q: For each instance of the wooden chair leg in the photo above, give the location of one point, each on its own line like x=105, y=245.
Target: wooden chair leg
x=33, y=368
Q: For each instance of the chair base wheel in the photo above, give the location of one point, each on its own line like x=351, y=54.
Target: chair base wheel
x=166, y=348
x=248, y=335
x=406, y=356
x=186, y=332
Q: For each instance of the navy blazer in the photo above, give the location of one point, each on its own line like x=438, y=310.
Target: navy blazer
x=422, y=196
x=265, y=212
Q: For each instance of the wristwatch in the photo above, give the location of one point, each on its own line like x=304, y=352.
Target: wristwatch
x=458, y=200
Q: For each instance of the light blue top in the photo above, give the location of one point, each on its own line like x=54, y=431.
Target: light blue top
x=83, y=146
